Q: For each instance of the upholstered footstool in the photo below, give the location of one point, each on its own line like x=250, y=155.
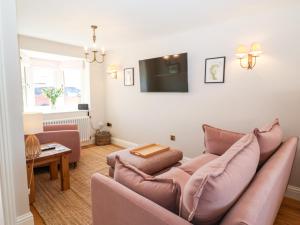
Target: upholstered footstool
x=151, y=165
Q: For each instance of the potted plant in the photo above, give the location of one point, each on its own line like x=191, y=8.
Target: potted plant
x=52, y=94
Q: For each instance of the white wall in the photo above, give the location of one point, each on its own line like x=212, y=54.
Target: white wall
x=13, y=176
x=96, y=75
x=248, y=99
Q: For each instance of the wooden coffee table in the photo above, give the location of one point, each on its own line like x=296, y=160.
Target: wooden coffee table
x=51, y=158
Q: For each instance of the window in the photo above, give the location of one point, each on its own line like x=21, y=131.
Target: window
x=41, y=71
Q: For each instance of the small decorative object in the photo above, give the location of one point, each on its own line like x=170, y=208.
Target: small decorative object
x=91, y=52
x=214, y=70
x=248, y=58
x=102, y=137
x=128, y=76
x=52, y=94
x=113, y=70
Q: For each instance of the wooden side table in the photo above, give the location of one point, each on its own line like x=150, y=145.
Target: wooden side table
x=50, y=157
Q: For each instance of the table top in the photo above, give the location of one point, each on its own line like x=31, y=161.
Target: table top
x=58, y=151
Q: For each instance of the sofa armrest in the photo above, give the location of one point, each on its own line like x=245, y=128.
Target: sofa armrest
x=115, y=204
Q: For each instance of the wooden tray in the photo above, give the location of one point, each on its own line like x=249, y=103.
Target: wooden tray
x=146, y=151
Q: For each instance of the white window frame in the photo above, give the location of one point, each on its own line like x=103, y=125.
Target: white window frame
x=25, y=69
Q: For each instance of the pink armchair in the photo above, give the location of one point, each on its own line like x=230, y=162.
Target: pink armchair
x=67, y=135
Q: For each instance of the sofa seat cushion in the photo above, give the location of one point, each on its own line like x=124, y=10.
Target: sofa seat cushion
x=194, y=164
x=150, y=165
x=176, y=174
x=163, y=191
x=216, y=186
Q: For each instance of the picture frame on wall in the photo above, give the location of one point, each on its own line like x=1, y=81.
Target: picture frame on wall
x=129, y=76
x=215, y=70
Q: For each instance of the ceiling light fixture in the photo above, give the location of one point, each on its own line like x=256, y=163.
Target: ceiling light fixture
x=91, y=52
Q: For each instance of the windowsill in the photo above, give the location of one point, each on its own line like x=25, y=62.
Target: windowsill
x=63, y=111
x=54, y=111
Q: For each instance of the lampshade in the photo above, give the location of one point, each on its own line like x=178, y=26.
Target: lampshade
x=112, y=68
x=255, y=49
x=33, y=123
x=241, y=51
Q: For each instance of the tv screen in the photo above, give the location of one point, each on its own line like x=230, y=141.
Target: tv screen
x=164, y=74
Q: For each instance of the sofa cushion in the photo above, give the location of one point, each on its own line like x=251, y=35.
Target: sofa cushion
x=269, y=138
x=217, y=141
x=194, y=164
x=165, y=192
x=215, y=187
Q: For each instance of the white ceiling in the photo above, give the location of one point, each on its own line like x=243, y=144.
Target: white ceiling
x=123, y=21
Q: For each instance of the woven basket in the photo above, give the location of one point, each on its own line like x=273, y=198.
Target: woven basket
x=102, y=138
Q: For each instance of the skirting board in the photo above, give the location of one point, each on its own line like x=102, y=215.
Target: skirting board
x=123, y=143
x=25, y=219
x=293, y=192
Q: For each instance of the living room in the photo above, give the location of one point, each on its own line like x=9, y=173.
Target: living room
x=237, y=70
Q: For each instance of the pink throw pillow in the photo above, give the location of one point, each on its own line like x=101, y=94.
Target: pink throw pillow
x=269, y=138
x=217, y=141
x=165, y=192
x=216, y=186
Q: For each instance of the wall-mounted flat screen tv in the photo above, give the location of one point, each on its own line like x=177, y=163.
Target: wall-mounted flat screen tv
x=164, y=74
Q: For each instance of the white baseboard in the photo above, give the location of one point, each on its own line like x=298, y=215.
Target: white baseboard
x=123, y=143
x=293, y=192
x=25, y=219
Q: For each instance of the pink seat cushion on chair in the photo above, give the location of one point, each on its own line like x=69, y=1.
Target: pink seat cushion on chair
x=216, y=186
x=269, y=138
x=217, y=141
x=165, y=192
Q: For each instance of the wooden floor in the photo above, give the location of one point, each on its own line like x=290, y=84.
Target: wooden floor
x=289, y=213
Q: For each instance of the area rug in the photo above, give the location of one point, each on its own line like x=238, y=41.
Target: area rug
x=73, y=206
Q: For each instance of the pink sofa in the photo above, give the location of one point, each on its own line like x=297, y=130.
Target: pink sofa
x=67, y=135
x=114, y=204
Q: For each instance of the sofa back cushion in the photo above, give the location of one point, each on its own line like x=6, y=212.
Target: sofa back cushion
x=215, y=187
x=165, y=192
x=217, y=141
x=269, y=138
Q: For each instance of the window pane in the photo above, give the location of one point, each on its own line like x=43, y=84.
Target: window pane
x=43, y=78
x=73, y=88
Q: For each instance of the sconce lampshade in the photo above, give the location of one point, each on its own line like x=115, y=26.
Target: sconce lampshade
x=255, y=49
x=112, y=69
x=241, y=52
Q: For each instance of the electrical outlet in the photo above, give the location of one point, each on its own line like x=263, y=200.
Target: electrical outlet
x=109, y=124
x=172, y=137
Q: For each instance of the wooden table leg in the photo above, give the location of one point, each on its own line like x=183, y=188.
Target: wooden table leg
x=30, y=181
x=53, y=170
x=64, y=172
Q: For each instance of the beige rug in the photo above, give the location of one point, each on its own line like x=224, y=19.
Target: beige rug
x=71, y=207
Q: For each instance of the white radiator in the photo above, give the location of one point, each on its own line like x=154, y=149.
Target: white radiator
x=83, y=123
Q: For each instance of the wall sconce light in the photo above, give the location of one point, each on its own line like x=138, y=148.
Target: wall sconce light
x=112, y=70
x=248, y=58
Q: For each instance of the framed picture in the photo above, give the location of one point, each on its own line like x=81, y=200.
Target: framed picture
x=128, y=76
x=215, y=70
